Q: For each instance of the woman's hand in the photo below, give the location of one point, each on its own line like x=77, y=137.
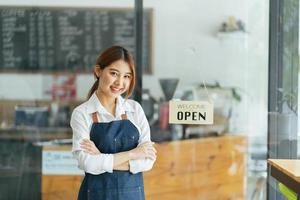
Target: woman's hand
x=89, y=147
x=145, y=150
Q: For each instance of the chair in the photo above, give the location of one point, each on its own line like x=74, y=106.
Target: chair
x=257, y=167
x=288, y=193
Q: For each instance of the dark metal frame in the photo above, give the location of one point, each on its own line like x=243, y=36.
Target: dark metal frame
x=139, y=49
x=283, y=75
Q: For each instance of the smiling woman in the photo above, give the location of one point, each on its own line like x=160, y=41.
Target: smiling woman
x=113, y=58
x=114, y=80
x=111, y=135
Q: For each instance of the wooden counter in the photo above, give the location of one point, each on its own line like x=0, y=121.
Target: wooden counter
x=286, y=172
x=207, y=168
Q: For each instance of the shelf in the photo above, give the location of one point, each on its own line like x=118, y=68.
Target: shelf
x=232, y=35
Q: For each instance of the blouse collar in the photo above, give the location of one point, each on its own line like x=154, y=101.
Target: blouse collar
x=94, y=105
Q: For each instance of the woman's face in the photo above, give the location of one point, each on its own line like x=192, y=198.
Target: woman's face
x=114, y=79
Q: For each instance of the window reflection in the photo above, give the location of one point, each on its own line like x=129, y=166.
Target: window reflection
x=186, y=42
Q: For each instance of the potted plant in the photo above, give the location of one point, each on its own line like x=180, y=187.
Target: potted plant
x=288, y=101
x=282, y=120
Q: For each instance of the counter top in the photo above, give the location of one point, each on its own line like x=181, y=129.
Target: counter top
x=286, y=171
x=33, y=128
x=35, y=133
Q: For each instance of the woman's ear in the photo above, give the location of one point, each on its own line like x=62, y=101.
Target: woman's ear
x=97, y=70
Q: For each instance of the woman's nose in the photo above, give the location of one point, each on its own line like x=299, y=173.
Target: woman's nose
x=119, y=81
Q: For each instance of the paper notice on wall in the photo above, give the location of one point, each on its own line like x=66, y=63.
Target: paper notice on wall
x=59, y=163
x=60, y=87
x=191, y=112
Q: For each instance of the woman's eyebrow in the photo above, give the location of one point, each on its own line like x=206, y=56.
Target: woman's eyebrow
x=114, y=69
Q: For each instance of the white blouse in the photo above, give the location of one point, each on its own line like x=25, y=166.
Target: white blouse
x=81, y=122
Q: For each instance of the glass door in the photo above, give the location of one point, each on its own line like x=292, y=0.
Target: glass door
x=225, y=45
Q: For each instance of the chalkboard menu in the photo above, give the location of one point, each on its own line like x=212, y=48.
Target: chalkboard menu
x=66, y=39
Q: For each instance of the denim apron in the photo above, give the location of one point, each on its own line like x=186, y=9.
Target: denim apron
x=113, y=137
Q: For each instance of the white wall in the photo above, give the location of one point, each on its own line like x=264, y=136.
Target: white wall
x=186, y=46
x=25, y=86
x=257, y=75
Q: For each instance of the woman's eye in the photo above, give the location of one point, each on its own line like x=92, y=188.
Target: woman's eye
x=127, y=77
x=114, y=73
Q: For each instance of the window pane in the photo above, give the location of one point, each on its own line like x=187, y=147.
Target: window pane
x=225, y=45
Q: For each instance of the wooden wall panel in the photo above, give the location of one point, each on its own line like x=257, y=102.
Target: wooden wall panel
x=60, y=187
x=207, y=168
x=210, y=168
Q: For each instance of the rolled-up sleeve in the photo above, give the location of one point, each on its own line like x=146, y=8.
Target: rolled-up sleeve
x=146, y=164
x=93, y=164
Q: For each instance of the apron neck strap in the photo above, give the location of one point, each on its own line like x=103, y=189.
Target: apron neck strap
x=124, y=116
x=94, y=117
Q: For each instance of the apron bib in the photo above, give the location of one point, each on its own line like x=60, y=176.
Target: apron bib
x=110, y=138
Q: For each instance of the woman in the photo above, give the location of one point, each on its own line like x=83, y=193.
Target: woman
x=111, y=135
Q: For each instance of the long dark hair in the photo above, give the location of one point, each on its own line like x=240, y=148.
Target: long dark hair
x=109, y=56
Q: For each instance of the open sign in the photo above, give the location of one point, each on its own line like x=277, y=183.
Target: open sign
x=190, y=112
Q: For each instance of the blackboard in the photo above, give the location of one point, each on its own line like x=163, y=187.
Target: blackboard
x=66, y=39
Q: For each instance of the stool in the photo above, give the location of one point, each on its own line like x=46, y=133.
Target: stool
x=257, y=168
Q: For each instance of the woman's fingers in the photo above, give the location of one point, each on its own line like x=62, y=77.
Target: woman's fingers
x=153, y=149
x=151, y=155
x=147, y=145
x=87, y=143
x=149, y=152
x=87, y=148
